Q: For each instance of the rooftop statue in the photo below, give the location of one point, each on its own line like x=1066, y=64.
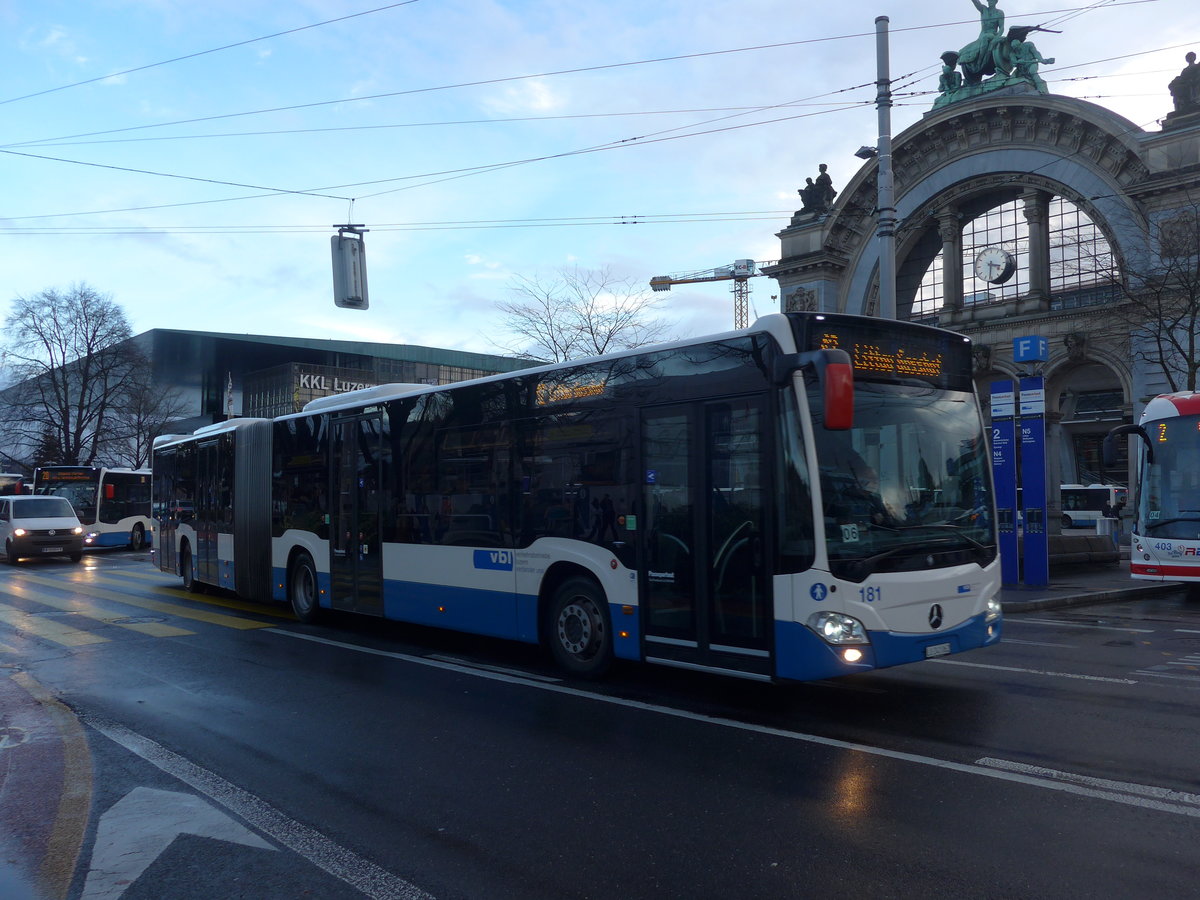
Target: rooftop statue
x=996, y=59
x=816, y=197
x=1185, y=88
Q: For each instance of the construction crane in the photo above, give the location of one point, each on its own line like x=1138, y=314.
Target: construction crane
x=739, y=272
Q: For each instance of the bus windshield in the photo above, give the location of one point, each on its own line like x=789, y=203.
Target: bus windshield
x=908, y=487
x=1169, y=498
x=76, y=486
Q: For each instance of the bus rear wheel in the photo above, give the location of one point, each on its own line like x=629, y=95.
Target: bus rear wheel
x=302, y=589
x=137, y=537
x=190, y=584
x=578, y=628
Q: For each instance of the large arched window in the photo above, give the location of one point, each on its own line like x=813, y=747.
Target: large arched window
x=1082, y=268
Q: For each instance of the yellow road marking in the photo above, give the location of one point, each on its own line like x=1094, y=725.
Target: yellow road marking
x=153, y=629
x=173, y=609
x=48, y=628
x=259, y=609
x=75, y=800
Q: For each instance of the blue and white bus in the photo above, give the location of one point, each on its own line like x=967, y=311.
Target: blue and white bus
x=805, y=498
x=113, y=505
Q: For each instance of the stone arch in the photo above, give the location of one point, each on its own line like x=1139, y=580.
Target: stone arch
x=970, y=153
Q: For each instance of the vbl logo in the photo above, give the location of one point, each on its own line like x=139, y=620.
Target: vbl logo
x=494, y=559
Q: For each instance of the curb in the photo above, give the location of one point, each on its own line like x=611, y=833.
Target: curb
x=1088, y=598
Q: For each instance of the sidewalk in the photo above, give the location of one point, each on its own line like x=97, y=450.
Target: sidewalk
x=1079, y=585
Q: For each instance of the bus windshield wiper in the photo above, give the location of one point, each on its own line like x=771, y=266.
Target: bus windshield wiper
x=956, y=530
x=1160, y=524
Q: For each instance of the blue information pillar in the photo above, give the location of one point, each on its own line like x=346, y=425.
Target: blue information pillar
x=1033, y=480
x=1004, y=475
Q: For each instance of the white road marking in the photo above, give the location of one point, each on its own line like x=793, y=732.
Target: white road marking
x=1009, y=640
x=1141, y=790
x=956, y=662
x=136, y=830
x=313, y=846
x=1059, y=622
x=917, y=759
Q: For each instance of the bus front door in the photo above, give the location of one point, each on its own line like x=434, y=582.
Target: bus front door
x=705, y=590
x=355, y=558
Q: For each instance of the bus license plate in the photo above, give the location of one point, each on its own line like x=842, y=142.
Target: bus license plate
x=936, y=650
x=52, y=549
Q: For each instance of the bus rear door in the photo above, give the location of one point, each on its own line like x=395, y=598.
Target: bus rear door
x=705, y=591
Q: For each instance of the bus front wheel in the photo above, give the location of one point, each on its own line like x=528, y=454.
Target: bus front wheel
x=578, y=629
x=137, y=538
x=302, y=589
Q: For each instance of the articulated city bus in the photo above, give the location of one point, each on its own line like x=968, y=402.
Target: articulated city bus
x=805, y=498
x=113, y=505
x=1165, y=537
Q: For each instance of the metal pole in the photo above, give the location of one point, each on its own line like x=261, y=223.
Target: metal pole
x=886, y=201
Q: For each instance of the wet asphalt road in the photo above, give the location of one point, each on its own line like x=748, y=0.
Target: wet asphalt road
x=231, y=752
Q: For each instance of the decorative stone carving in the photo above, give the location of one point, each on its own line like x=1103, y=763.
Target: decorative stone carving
x=981, y=356
x=1077, y=345
x=800, y=300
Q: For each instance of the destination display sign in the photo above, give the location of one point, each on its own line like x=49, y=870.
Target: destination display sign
x=887, y=350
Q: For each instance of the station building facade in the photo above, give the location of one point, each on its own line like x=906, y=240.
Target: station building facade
x=1021, y=213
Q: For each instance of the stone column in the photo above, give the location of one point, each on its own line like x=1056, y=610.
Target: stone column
x=950, y=231
x=1037, y=215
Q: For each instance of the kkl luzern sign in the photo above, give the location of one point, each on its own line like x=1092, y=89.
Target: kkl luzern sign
x=330, y=384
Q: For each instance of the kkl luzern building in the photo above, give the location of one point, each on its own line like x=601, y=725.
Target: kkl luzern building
x=1022, y=213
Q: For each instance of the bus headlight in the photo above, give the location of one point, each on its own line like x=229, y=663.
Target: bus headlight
x=836, y=628
x=993, y=610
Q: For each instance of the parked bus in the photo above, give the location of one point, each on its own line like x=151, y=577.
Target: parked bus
x=1083, y=505
x=1165, y=535
x=112, y=504
x=11, y=483
x=805, y=498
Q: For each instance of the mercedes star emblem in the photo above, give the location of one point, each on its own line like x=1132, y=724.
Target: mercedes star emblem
x=935, y=616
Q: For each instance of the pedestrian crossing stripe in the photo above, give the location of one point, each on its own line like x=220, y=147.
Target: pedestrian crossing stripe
x=259, y=609
x=50, y=629
x=199, y=615
x=152, y=629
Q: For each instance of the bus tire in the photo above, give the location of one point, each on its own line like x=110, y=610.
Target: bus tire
x=137, y=537
x=1066, y=521
x=302, y=589
x=190, y=584
x=578, y=628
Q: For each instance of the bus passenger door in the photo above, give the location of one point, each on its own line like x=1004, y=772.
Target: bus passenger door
x=355, y=557
x=705, y=589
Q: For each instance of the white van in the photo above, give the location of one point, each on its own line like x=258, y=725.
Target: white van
x=39, y=526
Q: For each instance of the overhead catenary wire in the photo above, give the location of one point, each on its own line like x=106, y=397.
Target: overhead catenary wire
x=437, y=177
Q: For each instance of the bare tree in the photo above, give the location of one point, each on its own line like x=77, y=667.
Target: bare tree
x=141, y=414
x=1156, y=293
x=1166, y=303
x=578, y=312
x=70, y=363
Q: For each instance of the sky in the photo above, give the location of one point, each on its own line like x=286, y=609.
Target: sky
x=192, y=160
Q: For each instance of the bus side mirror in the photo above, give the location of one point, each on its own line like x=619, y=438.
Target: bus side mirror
x=1109, y=449
x=839, y=396
x=834, y=372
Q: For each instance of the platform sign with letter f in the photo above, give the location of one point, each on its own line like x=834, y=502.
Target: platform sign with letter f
x=1033, y=348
